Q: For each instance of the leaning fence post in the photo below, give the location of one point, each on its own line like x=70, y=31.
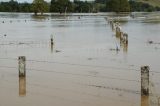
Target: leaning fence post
x=22, y=66
x=145, y=81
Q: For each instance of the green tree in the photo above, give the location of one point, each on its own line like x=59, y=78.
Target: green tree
x=25, y=7
x=11, y=6
x=83, y=7
x=118, y=5
x=40, y=6
x=61, y=6
x=14, y=6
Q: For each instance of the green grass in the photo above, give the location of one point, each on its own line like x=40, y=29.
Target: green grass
x=151, y=2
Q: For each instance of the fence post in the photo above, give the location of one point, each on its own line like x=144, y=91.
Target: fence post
x=145, y=81
x=22, y=66
x=52, y=43
x=118, y=30
x=52, y=40
x=145, y=86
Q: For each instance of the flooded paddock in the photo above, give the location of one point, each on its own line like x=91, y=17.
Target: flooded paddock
x=83, y=66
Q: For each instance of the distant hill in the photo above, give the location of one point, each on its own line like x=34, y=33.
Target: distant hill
x=150, y=2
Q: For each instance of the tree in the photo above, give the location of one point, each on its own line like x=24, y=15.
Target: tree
x=101, y=1
x=83, y=7
x=14, y=5
x=40, y=6
x=61, y=6
x=25, y=7
x=118, y=5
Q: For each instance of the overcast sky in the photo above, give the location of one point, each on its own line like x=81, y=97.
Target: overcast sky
x=32, y=0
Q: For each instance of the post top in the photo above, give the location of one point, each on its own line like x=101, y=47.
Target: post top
x=22, y=57
x=145, y=68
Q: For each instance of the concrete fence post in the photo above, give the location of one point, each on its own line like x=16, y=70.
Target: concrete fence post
x=145, y=81
x=22, y=66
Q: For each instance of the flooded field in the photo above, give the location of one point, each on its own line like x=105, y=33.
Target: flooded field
x=83, y=67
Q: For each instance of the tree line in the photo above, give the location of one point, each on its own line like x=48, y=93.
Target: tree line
x=61, y=6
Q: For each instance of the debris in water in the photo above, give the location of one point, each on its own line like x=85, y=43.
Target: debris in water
x=150, y=42
x=112, y=49
x=120, y=95
x=20, y=43
x=90, y=58
x=58, y=51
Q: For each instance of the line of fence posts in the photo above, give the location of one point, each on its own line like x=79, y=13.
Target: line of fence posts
x=144, y=70
x=123, y=37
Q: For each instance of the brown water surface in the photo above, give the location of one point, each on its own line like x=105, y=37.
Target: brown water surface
x=82, y=68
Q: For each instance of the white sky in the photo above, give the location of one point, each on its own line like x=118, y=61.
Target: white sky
x=32, y=0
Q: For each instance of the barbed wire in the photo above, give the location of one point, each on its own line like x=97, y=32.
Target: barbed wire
x=74, y=64
x=75, y=74
x=82, y=65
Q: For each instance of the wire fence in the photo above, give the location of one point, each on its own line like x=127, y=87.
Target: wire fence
x=20, y=43
x=79, y=65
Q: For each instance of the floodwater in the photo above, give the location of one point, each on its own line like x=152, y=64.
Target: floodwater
x=82, y=68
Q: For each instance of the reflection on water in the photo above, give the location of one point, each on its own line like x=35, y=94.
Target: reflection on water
x=22, y=86
x=51, y=48
x=144, y=100
x=125, y=47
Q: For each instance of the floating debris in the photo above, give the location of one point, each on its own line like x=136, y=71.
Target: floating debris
x=112, y=49
x=90, y=58
x=150, y=42
x=57, y=51
x=20, y=43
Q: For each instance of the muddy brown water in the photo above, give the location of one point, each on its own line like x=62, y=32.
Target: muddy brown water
x=82, y=68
